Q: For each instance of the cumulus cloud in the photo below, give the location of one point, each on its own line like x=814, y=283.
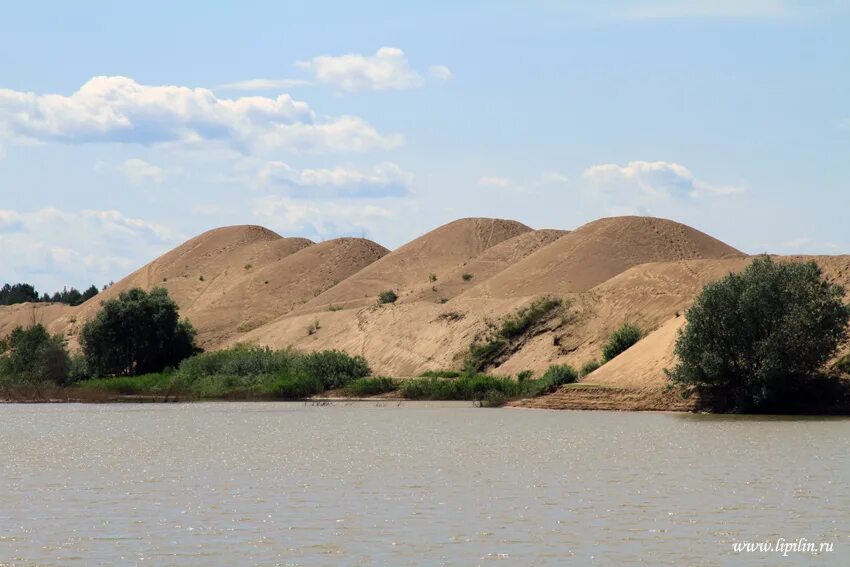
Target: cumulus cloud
x=383, y=180
x=657, y=178
x=441, y=72
x=53, y=248
x=330, y=220
x=388, y=69
x=118, y=109
x=263, y=84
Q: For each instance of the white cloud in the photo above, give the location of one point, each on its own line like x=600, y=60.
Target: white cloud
x=388, y=69
x=136, y=170
x=53, y=248
x=658, y=178
x=118, y=109
x=383, y=180
x=441, y=72
x=494, y=181
x=806, y=245
x=263, y=84
x=329, y=220
x=553, y=178
x=714, y=9
x=140, y=172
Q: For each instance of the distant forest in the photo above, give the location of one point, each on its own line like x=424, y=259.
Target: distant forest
x=10, y=294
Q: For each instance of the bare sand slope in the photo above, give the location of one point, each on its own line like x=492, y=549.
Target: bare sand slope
x=438, y=252
x=397, y=340
x=598, y=251
x=52, y=315
x=268, y=291
x=484, y=266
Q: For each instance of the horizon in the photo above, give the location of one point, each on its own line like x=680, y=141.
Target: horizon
x=125, y=131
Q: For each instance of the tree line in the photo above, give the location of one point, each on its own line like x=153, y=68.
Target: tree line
x=11, y=294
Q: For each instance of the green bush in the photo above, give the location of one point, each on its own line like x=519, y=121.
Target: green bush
x=556, y=376
x=137, y=333
x=589, y=367
x=470, y=387
x=292, y=387
x=522, y=321
x=483, y=354
x=335, y=368
x=466, y=277
x=524, y=376
x=288, y=374
x=388, y=296
x=32, y=354
x=157, y=383
x=843, y=364
x=754, y=340
x=622, y=339
x=369, y=386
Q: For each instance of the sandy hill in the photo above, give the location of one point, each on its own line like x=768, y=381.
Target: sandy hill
x=484, y=266
x=247, y=283
x=438, y=252
x=600, y=250
x=51, y=315
x=266, y=292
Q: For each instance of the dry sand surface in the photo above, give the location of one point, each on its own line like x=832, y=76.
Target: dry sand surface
x=246, y=283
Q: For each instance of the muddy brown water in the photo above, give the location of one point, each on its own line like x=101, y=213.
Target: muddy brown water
x=415, y=484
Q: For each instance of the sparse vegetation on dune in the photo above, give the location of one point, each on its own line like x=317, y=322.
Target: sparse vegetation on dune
x=484, y=352
x=589, y=367
x=388, y=296
x=620, y=341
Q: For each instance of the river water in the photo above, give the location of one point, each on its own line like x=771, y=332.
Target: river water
x=416, y=484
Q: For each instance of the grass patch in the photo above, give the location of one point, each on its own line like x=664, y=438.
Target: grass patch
x=158, y=383
x=475, y=387
x=246, y=371
x=371, y=386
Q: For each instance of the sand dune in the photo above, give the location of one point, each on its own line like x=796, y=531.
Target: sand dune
x=246, y=283
x=598, y=251
x=484, y=266
x=406, y=269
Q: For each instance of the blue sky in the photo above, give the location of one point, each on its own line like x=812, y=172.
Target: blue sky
x=126, y=128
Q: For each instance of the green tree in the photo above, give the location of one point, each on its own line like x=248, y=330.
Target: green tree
x=17, y=293
x=34, y=355
x=753, y=338
x=89, y=293
x=136, y=333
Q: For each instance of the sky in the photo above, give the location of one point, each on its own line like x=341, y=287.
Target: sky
x=127, y=128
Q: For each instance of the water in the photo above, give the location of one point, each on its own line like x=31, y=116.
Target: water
x=287, y=484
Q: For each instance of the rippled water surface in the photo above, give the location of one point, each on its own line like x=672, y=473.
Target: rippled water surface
x=359, y=484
